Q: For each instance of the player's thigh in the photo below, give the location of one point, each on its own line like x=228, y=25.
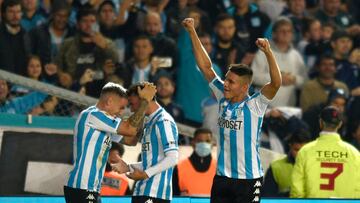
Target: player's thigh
x=73, y=195
x=250, y=191
x=220, y=192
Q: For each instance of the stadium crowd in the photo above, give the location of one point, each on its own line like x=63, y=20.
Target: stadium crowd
x=81, y=45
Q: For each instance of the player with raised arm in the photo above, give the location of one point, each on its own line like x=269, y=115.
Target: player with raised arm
x=239, y=172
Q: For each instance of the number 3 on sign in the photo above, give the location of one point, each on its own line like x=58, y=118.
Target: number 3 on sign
x=330, y=176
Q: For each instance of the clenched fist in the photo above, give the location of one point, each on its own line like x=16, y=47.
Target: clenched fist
x=188, y=24
x=263, y=45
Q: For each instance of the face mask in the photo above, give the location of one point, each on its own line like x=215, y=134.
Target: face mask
x=203, y=149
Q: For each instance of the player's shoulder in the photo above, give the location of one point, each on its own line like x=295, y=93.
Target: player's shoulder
x=350, y=148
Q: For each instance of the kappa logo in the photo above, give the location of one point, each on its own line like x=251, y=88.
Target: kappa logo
x=90, y=197
x=257, y=191
x=257, y=184
x=149, y=201
x=256, y=199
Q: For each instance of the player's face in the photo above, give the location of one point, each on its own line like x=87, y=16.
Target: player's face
x=294, y=148
x=117, y=105
x=234, y=86
x=134, y=102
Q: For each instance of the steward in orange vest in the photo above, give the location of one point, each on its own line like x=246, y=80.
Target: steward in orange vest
x=114, y=184
x=194, y=175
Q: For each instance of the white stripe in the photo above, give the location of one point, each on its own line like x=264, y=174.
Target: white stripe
x=227, y=152
x=98, y=164
x=241, y=152
x=254, y=123
x=86, y=130
x=88, y=159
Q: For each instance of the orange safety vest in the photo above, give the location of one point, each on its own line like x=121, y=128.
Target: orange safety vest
x=187, y=175
x=114, y=184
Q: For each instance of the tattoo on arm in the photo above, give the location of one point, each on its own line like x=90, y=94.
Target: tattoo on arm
x=138, y=117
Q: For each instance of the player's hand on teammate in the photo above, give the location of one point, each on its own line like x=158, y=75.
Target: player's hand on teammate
x=263, y=44
x=120, y=167
x=188, y=24
x=137, y=175
x=148, y=92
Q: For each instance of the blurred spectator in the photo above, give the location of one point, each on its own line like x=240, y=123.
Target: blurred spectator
x=35, y=71
x=277, y=182
x=200, y=164
x=18, y=105
x=296, y=12
x=331, y=12
x=141, y=67
x=189, y=78
x=337, y=98
x=87, y=49
x=47, y=108
x=226, y=51
x=14, y=45
x=32, y=16
x=163, y=46
x=47, y=38
x=311, y=45
x=341, y=43
x=321, y=85
x=279, y=123
x=114, y=184
x=354, y=131
x=327, y=167
x=292, y=67
x=250, y=23
x=115, y=27
x=272, y=8
x=165, y=86
x=175, y=15
x=210, y=113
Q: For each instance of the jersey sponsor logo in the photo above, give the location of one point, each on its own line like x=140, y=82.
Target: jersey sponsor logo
x=232, y=124
x=145, y=146
x=331, y=156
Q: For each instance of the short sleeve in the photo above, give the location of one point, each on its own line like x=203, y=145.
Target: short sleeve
x=258, y=103
x=102, y=122
x=217, y=87
x=168, y=135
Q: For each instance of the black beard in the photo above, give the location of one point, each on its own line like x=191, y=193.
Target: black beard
x=224, y=41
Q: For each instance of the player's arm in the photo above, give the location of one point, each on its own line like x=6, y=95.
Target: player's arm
x=133, y=140
x=270, y=89
x=202, y=58
x=132, y=125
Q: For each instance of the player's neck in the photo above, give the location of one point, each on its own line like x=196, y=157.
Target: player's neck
x=238, y=99
x=153, y=106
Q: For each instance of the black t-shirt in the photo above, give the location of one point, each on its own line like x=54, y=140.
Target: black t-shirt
x=221, y=56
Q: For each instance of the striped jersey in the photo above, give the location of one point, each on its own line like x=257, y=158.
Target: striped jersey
x=92, y=142
x=239, y=133
x=160, y=136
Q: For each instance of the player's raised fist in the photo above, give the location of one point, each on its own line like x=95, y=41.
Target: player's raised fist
x=188, y=23
x=263, y=44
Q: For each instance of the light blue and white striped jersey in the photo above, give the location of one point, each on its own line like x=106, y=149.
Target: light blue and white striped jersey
x=92, y=143
x=160, y=136
x=239, y=134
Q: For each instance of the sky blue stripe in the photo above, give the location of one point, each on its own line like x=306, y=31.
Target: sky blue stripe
x=102, y=168
x=169, y=182
x=221, y=160
x=87, y=140
x=257, y=144
x=95, y=157
x=161, y=185
x=154, y=151
x=80, y=131
x=247, y=142
x=219, y=85
x=175, y=132
x=233, y=149
x=101, y=116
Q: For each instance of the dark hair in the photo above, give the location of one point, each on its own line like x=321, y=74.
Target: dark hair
x=142, y=37
x=324, y=57
x=331, y=116
x=6, y=4
x=118, y=147
x=86, y=10
x=241, y=70
x=306, y=24
x=106, y=2
x=202, y=130
x=222, y=17
x=133, y=89
x=280, y=22
x=299, y=136
x=114, y=88
x=204, y=34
